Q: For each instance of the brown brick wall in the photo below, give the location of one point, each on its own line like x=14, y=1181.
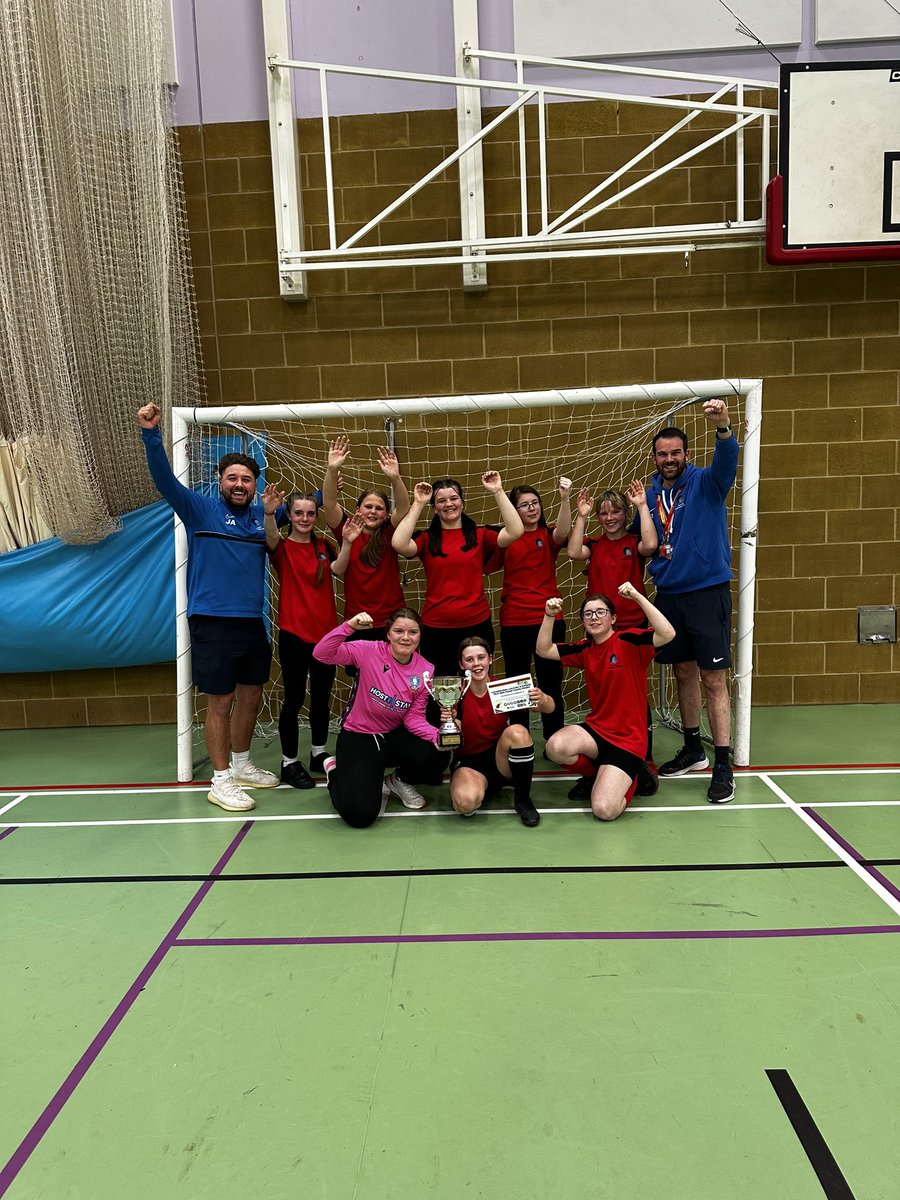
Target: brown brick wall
x=826, y=339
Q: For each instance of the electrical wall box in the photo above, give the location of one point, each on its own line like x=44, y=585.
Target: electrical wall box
x=877, y=623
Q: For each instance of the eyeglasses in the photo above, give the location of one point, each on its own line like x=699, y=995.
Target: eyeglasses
x=591, y=614
x=529, y=504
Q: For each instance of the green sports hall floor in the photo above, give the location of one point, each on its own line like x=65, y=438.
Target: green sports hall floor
x=693, y=1002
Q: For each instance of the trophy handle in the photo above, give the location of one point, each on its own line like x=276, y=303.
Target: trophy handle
x=465, y=686
x=426, y=677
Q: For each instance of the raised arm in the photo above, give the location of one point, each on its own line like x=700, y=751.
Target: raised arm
x=183, y=500
x=649, y=540
x=577, y=550
x=353, y=527
x=662, y=630
x=338, y=453
x=402, y=541
x=390, y=464
x=272, y=499
x=512, y=522
x=552, y=611
x=723, y=468
x=334, y=648
x=564, y=516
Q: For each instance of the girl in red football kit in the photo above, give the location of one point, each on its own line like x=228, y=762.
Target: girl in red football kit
x=306, y=612
x=367, y=562
x=610, y=743
x=529, y=580
x=617, y=556
x=495, y=752
x=454, y=552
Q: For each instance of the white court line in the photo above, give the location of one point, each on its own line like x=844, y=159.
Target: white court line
x=869, y=880
x=169, y=789
x=775, y=806
x=13, y=803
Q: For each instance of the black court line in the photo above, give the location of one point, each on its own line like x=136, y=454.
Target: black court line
x=822, y=1161
x=411, y=873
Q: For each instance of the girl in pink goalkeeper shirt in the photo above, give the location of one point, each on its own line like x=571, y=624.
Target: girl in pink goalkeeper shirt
x=384, y=723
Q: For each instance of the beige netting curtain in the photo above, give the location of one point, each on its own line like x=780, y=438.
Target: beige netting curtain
x=97, y=312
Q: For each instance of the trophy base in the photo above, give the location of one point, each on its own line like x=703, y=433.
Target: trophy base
x=449, y=741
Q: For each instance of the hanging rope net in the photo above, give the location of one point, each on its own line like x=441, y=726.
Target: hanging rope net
x=96, y=298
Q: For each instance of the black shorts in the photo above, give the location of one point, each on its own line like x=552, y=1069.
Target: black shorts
x=702, y=622
x=485, y=763
x=609, y=755
x=226, y=651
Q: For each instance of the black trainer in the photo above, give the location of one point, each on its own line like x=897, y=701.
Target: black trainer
x=297, y=775
x=647, y=782
x=685, y=760
x=583, y=788
x=317, y=762
x=721, y=790
x=528, y=814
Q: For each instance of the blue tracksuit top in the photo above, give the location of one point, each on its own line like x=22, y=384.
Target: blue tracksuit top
x=701, y=555
x=226, y=547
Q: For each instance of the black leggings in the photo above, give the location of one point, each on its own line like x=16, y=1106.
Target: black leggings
x=355, y=782
x=297, y=663
x=518, y=645
x=441, y=646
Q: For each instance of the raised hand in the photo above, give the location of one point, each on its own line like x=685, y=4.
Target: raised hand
x=636, y=493
x=388, y=462
x=553, y=607
x=149, y=416
x=585, y=503
x=361, y=621
x=272, y=498
x=492, y=482
x=627, y=591
x=338, y=451
x=353, y=527
x=422, y=493
x=564, y=486
x=716, y=412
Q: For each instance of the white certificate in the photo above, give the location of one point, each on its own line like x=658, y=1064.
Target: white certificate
x=511, y=694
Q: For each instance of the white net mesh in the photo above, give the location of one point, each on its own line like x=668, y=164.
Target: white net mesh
x=601, y=446
x=96, y=302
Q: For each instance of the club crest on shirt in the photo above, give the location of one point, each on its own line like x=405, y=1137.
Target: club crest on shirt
x=627, y=552
x=539, y=543
x=612, y=660
x=414, y=683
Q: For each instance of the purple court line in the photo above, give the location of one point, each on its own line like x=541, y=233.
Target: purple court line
x=33, y=1138
x=854, y=853
x=600, y=935
x=6, y=832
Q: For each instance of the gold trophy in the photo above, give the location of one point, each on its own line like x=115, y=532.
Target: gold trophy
x=447, y=690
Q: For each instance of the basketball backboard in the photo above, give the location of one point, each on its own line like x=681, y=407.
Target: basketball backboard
x=837, y=193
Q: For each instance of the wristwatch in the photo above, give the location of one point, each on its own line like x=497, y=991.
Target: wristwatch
x=723, y=429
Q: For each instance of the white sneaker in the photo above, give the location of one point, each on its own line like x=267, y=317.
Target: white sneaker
x=405, y=792
x=250, y=775
x=230, y=797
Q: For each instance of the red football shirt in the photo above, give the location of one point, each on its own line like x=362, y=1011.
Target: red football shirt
x=616, y=677
x=615, y=561
x=305, y=609
x=375, y=590
x=454, y=583
x=529, y=577
x=481, y=726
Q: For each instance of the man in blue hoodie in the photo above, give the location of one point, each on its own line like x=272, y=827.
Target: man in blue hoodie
x=692, y=572
x=230, y=651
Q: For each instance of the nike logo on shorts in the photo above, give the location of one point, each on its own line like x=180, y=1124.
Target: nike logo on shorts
x=718, y=659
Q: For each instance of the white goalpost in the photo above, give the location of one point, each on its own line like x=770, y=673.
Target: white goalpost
x=598, y=437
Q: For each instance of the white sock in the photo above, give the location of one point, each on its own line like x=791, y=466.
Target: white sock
x=317, y=750
x=329, y=764
x=286, y=762
x=220, y=777
x=239, y=758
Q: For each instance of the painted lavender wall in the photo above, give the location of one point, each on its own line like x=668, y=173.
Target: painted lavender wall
x=221, y=58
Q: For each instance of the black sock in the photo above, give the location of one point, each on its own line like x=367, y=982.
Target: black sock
x=692, y=739
x=722, y=755
x=521, y=766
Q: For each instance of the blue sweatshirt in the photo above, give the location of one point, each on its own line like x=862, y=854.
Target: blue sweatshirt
x=226, y=546
x=698, y=535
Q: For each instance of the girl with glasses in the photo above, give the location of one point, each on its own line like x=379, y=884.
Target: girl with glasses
x=608, y=747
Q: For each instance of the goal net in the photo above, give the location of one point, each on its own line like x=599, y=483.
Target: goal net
x=598, y=437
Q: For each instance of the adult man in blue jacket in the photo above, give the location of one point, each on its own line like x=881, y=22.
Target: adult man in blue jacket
x=230, y=652
x=692, y=572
